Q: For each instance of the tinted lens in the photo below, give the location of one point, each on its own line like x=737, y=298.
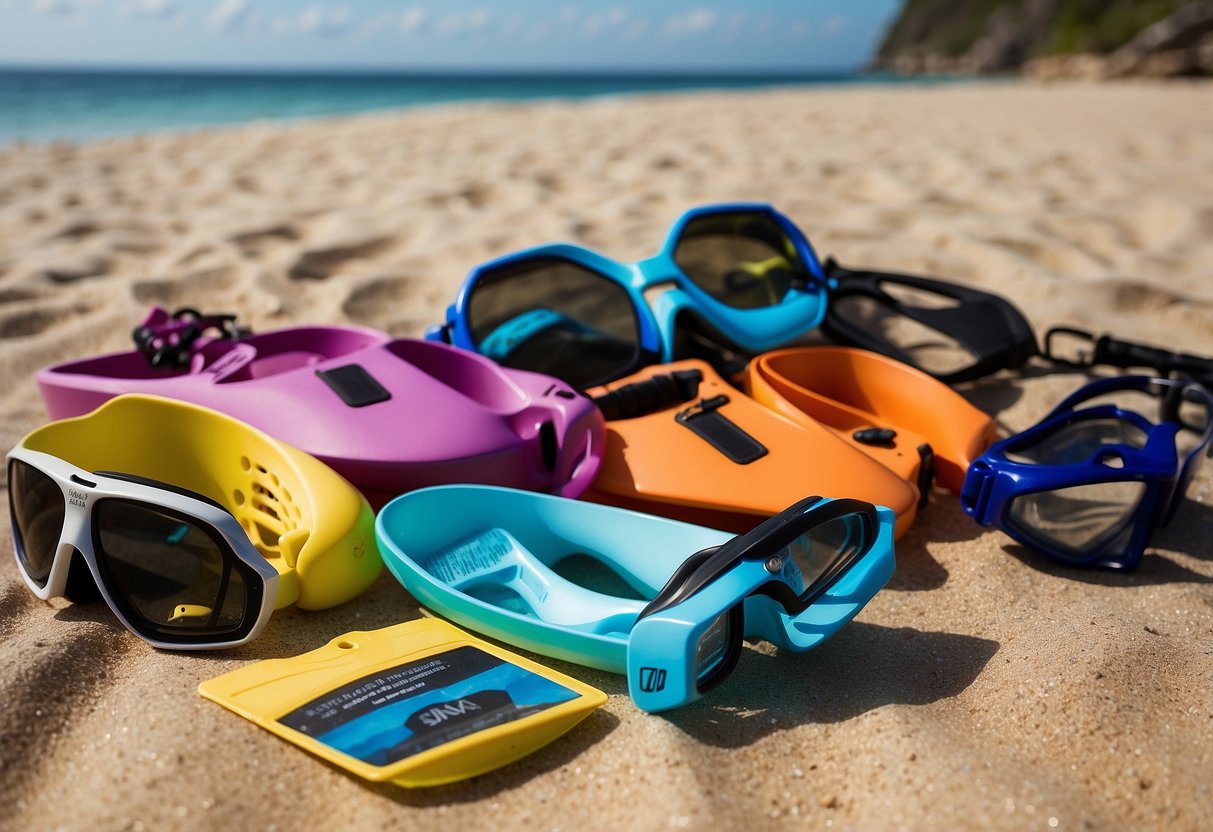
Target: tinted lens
x=1080, y=520
x=744, y=260
x=37, y=508
x=171, y=574
x=934, y=351
x=713, y=646
x=1078, y=441
x=825, y=551
x=558, y=318
x=719, y=648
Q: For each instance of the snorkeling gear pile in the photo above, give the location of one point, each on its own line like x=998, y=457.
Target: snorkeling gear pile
x=626, y=466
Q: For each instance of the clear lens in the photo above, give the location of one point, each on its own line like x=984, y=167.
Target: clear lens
x=821, y=553
x=37, y=507
x=1078, y=441
x=934, y=351
x=168, y=572
x=743, y=260
x=558, y=318
x=1082, y=519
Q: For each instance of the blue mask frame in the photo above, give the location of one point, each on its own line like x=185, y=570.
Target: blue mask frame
x=493, y=572
x=994, y=480
x=753, y=330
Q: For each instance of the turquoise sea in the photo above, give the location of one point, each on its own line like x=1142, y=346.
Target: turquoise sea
x=37, y=105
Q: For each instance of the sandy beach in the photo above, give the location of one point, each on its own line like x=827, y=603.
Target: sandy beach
x=985, y=688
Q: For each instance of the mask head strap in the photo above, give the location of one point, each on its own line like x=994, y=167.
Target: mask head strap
x=1092, y=350
x=986, y=325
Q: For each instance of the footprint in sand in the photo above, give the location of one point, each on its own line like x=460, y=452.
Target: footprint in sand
x=75, y=230
x=15, y=295
x=1136, y=297
x=24, y=323
x=186, y=290
x=258, y=242
x=15, y=599
x=386, y=303
x=1057, y=256
x=474, y=195
x=319, y=260
x=1156, y=223
x=1100, y=235
x=66, y=668
x=70, y=267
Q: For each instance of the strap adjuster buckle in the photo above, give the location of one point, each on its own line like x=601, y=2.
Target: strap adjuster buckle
x=168, y=340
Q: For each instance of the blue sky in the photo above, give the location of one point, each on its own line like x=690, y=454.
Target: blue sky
x=445, y=34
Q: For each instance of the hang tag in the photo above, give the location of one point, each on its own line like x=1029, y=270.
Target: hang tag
x=420, y=704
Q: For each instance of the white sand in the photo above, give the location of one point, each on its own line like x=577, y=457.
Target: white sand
x=982, y=689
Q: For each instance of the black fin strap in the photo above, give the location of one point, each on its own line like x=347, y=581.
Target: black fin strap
x=649, y=396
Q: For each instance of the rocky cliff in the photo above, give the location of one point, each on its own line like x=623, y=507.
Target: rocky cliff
x=1099, y=38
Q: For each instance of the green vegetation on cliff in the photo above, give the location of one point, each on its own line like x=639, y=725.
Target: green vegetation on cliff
x=1100, y=26
x=952, y=28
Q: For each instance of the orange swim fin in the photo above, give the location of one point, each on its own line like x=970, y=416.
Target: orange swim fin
x=860, y=396
x=721, y=459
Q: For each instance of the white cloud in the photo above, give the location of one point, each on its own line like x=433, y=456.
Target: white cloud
x=692, y=22
x=637, y=28
x=229, y=15
x=733, y=25
x=449, y=25
x=377, y=24
x=569, y=14
x=539, y=30
x=511, y=27
x=834, y=26
x=799, y=29
x=600, y=22
x=151, y=8
x=54, y=7
x=318, y=20
x=62, y=8
x=413, y=19
x=470, y=23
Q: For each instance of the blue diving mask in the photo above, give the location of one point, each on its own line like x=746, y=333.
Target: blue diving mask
x=1088, y=485
x=738, y=275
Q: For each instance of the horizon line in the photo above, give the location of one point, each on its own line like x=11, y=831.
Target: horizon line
x=447, y=72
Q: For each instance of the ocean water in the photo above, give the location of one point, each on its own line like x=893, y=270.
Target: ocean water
x=38, y=105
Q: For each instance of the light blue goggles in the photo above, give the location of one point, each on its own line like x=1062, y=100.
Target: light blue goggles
x=613, y=589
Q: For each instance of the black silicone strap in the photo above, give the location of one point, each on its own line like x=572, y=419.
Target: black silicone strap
x=707, y=422
x=993, y=330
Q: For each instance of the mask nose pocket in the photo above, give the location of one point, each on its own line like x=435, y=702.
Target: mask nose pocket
x=80, y=584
